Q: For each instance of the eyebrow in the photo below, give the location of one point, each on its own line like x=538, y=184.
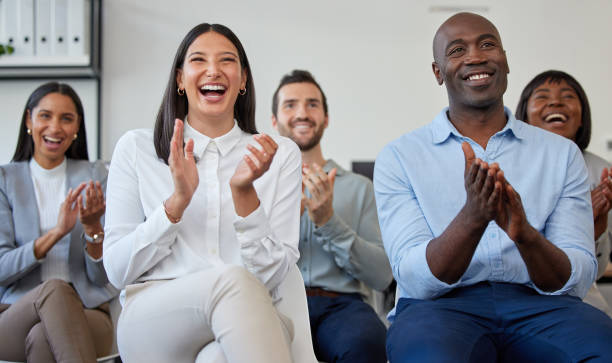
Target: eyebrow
x=479, y=39
x=202, y=53
x=290, y=100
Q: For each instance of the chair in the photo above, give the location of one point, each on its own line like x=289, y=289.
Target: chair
x=293, y=305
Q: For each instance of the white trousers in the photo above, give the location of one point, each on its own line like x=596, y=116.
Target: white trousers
x=173, y=320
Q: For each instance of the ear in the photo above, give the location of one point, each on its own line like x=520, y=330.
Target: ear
x=28, y=119
x=274, y=122
x=436, y=71
x=244, y=79
x=179, y=77
x=326, y=122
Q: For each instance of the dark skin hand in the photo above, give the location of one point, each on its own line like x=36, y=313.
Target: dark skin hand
x=449, y=255
x=491, y=197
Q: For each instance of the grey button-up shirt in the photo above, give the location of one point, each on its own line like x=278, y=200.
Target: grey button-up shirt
x=346, y=253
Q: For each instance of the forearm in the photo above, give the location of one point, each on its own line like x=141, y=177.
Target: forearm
x=356, y=254
x=245, y=200
x=449, y=255
x=43, y=244
x=548, y=266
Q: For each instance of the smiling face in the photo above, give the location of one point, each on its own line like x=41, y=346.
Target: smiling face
x=470, y=60
x=301, y=116
x=211, y=76
x=555, y=106
x=54, y=123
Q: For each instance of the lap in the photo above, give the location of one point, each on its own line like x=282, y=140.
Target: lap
x=513, y=320
x=348, y=328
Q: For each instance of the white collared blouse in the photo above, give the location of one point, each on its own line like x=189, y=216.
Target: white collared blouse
x=141, y=244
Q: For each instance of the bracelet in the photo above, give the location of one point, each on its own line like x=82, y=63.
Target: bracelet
x=96, y=239
x=171, y=218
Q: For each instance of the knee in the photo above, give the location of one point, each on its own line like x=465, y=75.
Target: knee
x=240, y=278
x=57, y=286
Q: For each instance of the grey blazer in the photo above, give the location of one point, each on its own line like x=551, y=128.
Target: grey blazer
x=19, y=227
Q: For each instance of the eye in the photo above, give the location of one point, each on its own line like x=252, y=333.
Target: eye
x=313, y=104
x=228, y=59
x=288, y=105
x=197, y=59
x=488, y=44
x=455, y=51
x=44, y=115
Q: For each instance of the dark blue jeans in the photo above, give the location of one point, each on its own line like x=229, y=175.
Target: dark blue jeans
x=346, y=329
x=499, y=322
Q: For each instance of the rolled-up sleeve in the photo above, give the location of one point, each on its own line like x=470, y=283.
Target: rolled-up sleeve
x=405, y=231
x=570, y=228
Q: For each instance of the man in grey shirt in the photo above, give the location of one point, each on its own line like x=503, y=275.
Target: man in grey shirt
x=342, y=255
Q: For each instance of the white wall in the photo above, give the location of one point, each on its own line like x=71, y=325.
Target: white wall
x=373, y=59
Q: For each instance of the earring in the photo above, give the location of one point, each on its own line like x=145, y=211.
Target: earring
x=180, y=92
x=75, y=136
x=29, y=131
x=242, y=91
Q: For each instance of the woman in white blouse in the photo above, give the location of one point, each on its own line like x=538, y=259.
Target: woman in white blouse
x=555, y=101
x=203, y=216
x=53, y=287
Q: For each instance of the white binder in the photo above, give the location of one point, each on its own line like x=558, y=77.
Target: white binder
x=24, y=39
x=59, y=27
x=43, y=28
x=76, y=28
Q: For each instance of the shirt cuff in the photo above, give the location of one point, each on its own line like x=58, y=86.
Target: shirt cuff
x=419, y=281
x=575, y=285
x=253, y=227
x=332, y=228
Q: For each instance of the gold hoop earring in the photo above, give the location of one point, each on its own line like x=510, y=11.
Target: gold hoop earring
x=180, y=92
x=75, y=136
x=29, y=131
x=242, y=91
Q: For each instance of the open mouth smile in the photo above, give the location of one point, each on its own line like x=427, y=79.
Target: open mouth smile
x=213, y=92
x=555, y=117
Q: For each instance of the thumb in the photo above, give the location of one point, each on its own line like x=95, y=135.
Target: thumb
x=469, y=155
x=332, y=176
x=604, y=175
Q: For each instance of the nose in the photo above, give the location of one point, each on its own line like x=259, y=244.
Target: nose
x=474, y=56
x=300, y=111
x=213, y=70
x=555, y=99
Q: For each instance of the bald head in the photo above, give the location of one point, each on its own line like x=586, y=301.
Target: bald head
x=460, y=23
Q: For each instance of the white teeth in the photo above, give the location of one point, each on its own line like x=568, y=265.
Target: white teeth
x=302, y=126
x=213, y=87
x=478, y=76
x=556, y=116
x=48, y=138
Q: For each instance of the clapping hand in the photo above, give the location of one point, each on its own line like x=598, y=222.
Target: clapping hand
x=184, y=172
x=321, y=187
x=254, y=164
x=601, y=197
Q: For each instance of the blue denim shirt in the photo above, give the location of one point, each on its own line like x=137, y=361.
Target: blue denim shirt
x=419, y=187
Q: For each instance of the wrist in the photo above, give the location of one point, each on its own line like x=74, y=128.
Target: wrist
x=471, y=221
x=175, y=207
x=91, y=229
x=323, y=220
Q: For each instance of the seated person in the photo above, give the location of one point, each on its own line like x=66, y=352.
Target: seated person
x=341, y=252
x=488, y=224
x=54, y=306
x=556, y=102
x=203, y=216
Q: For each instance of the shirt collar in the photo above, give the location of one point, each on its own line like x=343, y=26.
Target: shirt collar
x=442, y=128
x=330, y=164
x=225, y=143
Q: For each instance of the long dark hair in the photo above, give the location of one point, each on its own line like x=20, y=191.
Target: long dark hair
x=583, y=134
x=174, y=106
x=25, y=144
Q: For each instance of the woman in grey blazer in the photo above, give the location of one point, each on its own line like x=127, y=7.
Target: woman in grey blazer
x=53, y=287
